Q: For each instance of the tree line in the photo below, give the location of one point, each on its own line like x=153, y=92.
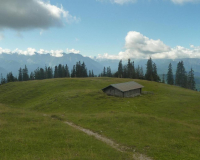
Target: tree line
x=60, y=71
x=181, y=77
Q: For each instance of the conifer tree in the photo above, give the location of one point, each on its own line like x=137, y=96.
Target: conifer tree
x=20, y=78
x=149, y=71
x=155, y=75
x=25, y=74
x=181, y=76
x=67, y=71
x=191, y=81
x=120, y=69
x=104, y=72
x=56, y=72
x=73, y=72
x=170, y=78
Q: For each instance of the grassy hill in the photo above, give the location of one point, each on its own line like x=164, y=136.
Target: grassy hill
x=164, y=125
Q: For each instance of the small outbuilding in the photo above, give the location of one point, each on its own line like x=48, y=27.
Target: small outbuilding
x=127, y=89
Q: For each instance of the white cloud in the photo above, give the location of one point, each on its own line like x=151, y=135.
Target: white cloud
x=135, y=41
x=28, y=52
x=32, y=51
x=141, y=47
x=31, y=14
x=56, y=53
x=185, y=1
x=73, y=51
x=7, y=51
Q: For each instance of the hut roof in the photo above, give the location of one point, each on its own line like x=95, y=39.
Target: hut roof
x=127, y=86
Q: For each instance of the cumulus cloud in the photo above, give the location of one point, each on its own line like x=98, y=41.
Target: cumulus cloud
x=139, y=46
x=73, y=51
x=32, y=51
x=31, y=14
x=137, y=42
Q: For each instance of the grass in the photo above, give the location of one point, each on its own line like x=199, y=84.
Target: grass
x=29, y=135
x=164, y=125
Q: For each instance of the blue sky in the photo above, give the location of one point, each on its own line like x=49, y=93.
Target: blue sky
x=113, y=29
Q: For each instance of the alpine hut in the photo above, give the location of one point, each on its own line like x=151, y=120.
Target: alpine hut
x=127, y=89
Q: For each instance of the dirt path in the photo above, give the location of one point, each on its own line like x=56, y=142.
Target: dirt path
x=136, y=156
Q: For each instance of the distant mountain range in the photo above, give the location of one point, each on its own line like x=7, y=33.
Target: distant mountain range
x=12, y=62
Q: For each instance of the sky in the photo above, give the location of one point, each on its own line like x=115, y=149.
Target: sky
x=101, y=29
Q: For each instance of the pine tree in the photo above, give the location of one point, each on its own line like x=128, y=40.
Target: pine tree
x=120, y=69
x=104, y=72
x=155, y=75
x=170, y=78
x=25, y=74
x=20, y=78
x=181, y=76
x=56, y=72
x=73, y=72
x=191, y=81
x=50, y=72
x=129, y=69
x=149, y=71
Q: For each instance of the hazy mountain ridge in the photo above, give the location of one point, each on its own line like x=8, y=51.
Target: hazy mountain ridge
x=12, y=62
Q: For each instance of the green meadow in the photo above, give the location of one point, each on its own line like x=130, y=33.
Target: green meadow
x=164, y=125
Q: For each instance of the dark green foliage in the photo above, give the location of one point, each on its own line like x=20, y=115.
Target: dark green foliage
x=191, y=82
x=109, y=72
x=79, y=70
x=56, y=72
x=3, y=80
x=130, y=69
x=181, y=76
x=149, y=71
x=73, y=72
x=20, y=78
x=155, y=75
x=106, y=72
x=170, y=78
x=11, y=78
x=120, y=69
x=126, y=71
x=139, y=74
x=25, y=74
